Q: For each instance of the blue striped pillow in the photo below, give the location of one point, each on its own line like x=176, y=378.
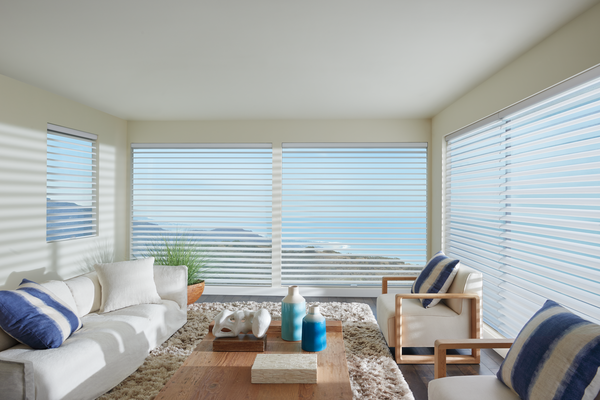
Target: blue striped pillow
x=555, y=356
x=36, y=317
x=436, y=277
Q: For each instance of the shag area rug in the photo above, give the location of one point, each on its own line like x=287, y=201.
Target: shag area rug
x=373, y=372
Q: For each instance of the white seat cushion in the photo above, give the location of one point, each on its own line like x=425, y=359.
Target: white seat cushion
x=422, y=326
x=481, y=387
x=109, y=347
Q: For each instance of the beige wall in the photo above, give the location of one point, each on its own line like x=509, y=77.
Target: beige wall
x=24, y=113
x=572, y=49
x=281, y=131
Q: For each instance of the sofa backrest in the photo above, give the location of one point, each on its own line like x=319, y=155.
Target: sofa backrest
x=467, y=280
x=86, y=292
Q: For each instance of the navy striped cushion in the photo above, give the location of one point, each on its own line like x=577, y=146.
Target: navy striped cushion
x=555, y=356
x=36, y=317
x=436, y=277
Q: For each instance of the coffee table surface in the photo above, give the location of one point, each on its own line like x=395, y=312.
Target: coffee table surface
x=226, y=375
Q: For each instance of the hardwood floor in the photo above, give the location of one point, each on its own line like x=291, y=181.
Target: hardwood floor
x=417, y=376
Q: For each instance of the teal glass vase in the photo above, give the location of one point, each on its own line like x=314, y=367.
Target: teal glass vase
x=293, y=309
x=314, y=330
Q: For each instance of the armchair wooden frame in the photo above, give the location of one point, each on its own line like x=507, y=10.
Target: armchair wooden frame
x=475, y=324
x=441, y=345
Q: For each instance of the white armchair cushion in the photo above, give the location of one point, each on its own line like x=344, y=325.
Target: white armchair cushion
x=486, y=387
x=127, y=283
x=421, y=326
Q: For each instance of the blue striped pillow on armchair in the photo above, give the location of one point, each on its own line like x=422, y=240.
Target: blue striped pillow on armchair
x=436, y=277
x=555, y=356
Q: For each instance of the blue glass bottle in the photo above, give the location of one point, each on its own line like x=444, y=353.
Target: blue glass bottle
x=293, y=309
x=314, y=331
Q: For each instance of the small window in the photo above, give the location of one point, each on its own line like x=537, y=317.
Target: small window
x=70, y=184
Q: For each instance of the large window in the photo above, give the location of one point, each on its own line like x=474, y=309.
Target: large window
x=352, y=213
x=218, y=196
x=70, y=184
x=523, y=205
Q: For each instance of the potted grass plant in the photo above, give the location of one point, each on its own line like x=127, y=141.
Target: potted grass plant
x=182, y=249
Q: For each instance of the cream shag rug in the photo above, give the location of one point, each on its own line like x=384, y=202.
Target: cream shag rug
x=373, y=372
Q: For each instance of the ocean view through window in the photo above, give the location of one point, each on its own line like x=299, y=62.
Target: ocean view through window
x=350, y=214
x=219, y=195
x=70, y=184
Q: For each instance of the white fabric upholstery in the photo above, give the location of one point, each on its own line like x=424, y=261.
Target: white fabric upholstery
x=62, y=291
x=167, y=280
x=16, y=380
x=6, y=341
x=127, y=283
x=422, y=327
x=107, y=349
x=467, y=280
x=84, y=293
x=486, y=387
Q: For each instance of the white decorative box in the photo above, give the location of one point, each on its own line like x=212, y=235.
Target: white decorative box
x=285, y=368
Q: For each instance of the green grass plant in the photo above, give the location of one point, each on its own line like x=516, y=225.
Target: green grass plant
x=181, y=249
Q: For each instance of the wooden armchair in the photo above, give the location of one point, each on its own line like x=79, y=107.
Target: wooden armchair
x=405, y=323
x=470, y=387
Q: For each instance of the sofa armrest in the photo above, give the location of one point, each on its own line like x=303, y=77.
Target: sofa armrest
x=16, y=380
x=441, y=345
x=385, y=279
x=171, y=283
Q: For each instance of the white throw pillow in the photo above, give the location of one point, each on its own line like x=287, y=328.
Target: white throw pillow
x=127, y=283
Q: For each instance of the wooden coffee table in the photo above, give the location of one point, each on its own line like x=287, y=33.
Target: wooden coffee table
x=226, y=375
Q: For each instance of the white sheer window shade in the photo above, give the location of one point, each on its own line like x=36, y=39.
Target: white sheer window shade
x=71, y=184
x=523, y=205
x=352, y=213
x=218, y=195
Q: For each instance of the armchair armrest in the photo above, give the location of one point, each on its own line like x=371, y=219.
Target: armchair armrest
x=474, y=326
x=385, y=279
x=16, y=380
x=441, y=345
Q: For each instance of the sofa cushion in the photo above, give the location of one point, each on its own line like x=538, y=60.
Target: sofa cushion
x=35, y=316
x=555, y=356
x=436, y=277
x=127, y=283
x=87, y=293
x=62, y=291
x=99, y=356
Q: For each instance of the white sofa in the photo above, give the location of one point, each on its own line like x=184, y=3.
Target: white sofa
x=107, y=349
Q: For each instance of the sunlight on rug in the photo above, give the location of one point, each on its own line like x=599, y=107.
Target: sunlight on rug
x=373, y=372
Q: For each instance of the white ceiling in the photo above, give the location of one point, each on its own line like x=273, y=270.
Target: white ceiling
x=263, y=59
